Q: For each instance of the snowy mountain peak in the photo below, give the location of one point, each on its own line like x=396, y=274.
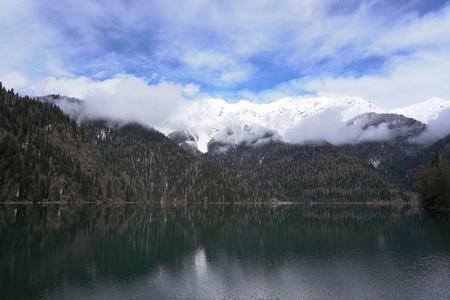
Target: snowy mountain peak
x=424, y=111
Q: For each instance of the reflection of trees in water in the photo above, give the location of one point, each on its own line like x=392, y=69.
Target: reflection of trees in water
x=41, y=245
x=436, y=224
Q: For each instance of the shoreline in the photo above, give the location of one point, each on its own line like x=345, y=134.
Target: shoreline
x=277, y=203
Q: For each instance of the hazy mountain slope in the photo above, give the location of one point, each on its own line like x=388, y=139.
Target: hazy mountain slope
x=386, y=151
x=442, y=147
x=414, y=165
x=308, y=172
x=392, y=157
x=398, y=156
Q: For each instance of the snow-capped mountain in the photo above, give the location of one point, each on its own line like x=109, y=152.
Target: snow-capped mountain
x=424, y=111
x=206, y=119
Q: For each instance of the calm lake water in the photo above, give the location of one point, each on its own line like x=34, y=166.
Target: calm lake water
x=140, y=251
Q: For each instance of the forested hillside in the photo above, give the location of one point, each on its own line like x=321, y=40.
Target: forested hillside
x=399, y=158
x=309, y=173
x=159, y=169
x=396, y=158
x=46, y=156
x=434, y=184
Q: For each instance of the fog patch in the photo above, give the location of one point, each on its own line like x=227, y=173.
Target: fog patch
x=436, y=129
x=325, y=126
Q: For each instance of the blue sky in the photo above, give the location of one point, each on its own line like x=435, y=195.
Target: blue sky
x=392, y=53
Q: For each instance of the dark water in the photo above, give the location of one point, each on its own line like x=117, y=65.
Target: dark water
x=223, y=252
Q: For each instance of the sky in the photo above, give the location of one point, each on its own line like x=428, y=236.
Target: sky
x=391, y=53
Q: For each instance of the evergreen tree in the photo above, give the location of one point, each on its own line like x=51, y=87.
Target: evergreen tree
x=434, y=184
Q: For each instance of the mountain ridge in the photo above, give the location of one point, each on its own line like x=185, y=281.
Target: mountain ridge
x=207, y=118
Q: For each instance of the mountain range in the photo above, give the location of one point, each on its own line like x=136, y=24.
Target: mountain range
x=293, y=120
x=295, y=149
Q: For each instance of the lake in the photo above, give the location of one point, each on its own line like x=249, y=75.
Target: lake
x=139, y=251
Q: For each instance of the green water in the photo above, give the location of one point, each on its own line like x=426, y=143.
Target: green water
x=140, y=251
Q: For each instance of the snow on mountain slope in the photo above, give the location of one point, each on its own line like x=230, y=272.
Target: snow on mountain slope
x=424, y=111
x=205, y=119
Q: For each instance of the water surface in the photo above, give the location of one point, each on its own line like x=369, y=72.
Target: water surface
x=140, y=251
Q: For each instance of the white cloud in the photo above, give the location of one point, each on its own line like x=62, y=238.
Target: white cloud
x=325, y=126
x=124, y=98
x=409, y=80
x=413, y=32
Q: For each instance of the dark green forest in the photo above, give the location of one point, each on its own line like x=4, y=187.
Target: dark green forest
x=423, y=169
x=44, y=154
x=158, y=169
x=322, y=173
x=434, y=184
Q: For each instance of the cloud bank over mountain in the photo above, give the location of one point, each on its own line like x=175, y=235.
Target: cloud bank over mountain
x=345, y=120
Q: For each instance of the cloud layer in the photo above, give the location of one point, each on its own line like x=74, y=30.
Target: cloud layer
x=393, y=53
